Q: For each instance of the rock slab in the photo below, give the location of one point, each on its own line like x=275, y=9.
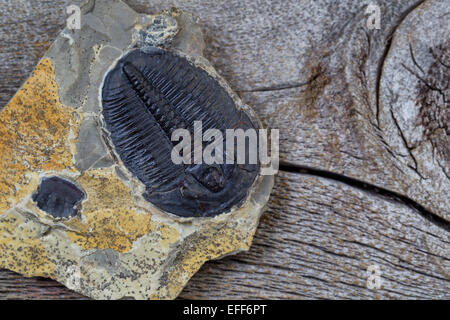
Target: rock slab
x=117, y=245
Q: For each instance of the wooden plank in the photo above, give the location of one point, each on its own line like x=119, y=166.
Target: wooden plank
x=316, y=240
x=312, y=69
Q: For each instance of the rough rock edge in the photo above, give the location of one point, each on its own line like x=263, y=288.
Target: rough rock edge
x=189, y=243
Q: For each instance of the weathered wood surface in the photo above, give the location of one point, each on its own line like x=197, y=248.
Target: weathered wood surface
x=363, y=118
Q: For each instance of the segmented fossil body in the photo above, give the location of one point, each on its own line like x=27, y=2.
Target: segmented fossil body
x=145, y=98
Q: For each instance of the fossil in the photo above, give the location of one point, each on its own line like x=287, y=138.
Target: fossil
x=148, y=95
x=88, y=189
x=58, y=197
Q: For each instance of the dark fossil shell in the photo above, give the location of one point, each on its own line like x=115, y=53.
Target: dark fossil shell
x=58, y=197
x=145, y=98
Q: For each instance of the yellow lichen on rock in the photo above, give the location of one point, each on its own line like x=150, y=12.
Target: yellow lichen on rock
x=110, y=220
x=104, y=190
x=201, y=247
x=21, y=249
x=34, y=135
x=112, y=229
x=167, y=235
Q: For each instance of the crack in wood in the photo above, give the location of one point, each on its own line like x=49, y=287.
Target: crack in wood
x=409, y=148
x=385, y=54
x=370, y=188
x=282, y=86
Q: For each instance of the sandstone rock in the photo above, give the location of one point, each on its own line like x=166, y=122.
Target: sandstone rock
x=117, y=245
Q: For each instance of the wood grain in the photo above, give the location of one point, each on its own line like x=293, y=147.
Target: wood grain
x=316, y=241
x=313, y=70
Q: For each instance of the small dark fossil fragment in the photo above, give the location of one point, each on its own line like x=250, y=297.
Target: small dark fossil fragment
x=58, y=197
x=145, y=98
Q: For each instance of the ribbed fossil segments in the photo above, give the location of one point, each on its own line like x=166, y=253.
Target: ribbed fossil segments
x=148, y=95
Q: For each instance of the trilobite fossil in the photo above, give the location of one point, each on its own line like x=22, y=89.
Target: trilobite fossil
x=58, y=197
x=148, y=95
